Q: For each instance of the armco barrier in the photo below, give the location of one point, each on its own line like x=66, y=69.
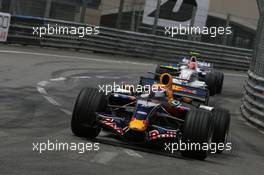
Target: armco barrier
x=113, y=41
x=253, y=102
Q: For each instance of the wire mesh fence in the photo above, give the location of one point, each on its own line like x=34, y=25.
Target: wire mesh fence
x=145, y=16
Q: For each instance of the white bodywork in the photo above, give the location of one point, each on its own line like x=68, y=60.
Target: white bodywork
x=200, y=63
x=185, y=78
x=186, y=74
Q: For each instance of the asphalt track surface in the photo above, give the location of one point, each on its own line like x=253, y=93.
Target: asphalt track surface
x=37, y=92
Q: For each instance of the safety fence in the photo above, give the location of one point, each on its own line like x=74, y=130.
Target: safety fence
x=142, y=16
x=253, y=102
x=127, y=43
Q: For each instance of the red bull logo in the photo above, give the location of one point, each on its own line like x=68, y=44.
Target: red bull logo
x=182, y=89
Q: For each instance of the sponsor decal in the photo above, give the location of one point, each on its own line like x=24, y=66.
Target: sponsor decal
x=179, y=88
x=176, y=12
x=110, y=122
x=155, y=134
x=4, y=26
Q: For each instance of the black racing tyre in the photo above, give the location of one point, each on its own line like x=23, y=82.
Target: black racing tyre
x=211, y=83
x=140, y=81
x=159, y=71
x=221, y=127
x=83, y=120
x=219, y=80
x=197, y=130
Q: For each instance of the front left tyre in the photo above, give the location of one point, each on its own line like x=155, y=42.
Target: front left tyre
x=83, y=123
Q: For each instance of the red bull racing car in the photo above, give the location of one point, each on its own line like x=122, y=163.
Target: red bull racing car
x=149, y=118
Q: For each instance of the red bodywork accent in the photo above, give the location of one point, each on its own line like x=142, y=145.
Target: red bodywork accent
x=132, y=98
x=155, y=134
x=110, y=122
x=179, y=112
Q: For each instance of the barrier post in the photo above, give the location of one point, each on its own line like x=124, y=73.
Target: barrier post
x=133, y=18
x=224, y=42
x=120, y=14
x=47, y=9
x=194, y=10
x=156, y=20
x=83, y=11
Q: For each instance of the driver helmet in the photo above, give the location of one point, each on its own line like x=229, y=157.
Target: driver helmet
x=192, y=63
x=160, y=92
x=193, y=59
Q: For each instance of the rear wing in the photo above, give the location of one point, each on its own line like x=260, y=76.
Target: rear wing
x=201, y=64
x=175, y=67
x=197, y=94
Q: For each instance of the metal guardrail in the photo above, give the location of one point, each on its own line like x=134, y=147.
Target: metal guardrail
x=253, y=102
x=113, y=41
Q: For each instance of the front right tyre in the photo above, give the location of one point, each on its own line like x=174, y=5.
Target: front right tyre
x=210, y=81
x=221, y=127
x=219, y=81
x=83, y=123
x=197, y=130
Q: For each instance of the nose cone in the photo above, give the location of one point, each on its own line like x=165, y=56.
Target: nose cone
x=137, y=125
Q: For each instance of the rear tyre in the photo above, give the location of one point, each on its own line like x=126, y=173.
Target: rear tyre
x=197, y=130
x=159, y=71
x=219, y=80
x=211, y=83
x=83, y=123
x=221, y=127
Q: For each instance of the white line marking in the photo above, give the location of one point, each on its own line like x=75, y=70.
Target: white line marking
x=106, y=77
x=43, y=83
x=82, y=77
x=58, y=79
x=51, y=100
x=133, y=153
x=67, y=112
x=104, y=157
x=74, y=57
x=42, y=90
